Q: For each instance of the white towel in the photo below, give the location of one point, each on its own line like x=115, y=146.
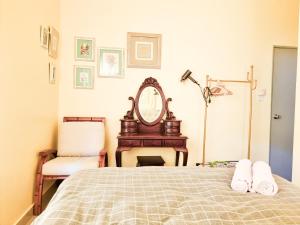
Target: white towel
x=242, y=178
x=263, y=181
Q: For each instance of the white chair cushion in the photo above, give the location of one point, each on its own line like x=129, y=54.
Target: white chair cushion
x=69, y=165
x=81, y=138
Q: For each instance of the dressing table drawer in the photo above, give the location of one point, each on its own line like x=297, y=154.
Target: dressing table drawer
x=174, y=143
x=152, y=143
x=130, y=143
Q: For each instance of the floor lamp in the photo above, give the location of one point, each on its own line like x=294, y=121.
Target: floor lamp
x=206, y=94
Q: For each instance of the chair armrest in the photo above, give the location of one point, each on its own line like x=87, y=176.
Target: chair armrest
x=44, y=156
x=103, y=160
x=48, y=152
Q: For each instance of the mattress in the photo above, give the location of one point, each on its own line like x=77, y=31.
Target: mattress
x=166, y=195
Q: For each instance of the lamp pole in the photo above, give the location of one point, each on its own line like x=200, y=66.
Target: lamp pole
x=206, y=93
x=204, y=130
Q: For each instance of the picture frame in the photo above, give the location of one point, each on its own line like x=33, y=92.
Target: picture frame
x=144, y=50
x=110, y=62
x=44, y=36
x=52, y=73
x=84, y=77
x=84, y=49
x=53, y=42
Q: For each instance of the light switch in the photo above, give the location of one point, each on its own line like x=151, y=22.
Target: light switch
x=261, y=94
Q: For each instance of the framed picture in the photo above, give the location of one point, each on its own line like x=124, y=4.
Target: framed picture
x=111, y=62
x=52, y=73
x=84, y=77
x=144, y=50
x=84, y=49
x=44, y=36
x=53, y=42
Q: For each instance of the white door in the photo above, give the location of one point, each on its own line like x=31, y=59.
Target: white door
x=283, y=111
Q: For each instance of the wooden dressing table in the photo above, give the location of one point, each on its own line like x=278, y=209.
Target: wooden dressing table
x=156, y=125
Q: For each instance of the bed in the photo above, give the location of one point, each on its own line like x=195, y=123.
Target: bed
x=166, y=195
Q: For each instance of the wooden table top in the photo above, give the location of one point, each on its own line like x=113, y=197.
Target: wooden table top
x=152, y=136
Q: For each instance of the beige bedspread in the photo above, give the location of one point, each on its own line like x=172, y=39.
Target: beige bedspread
x=162, y=195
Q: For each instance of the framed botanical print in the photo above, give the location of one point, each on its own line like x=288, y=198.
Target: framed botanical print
x=144, y=50
x=52, y=73
x=53, y=42
x=84, y=49
x=110, y=62
x=84, y=77
x=44, y=36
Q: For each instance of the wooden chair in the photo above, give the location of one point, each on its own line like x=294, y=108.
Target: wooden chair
x=80, y=146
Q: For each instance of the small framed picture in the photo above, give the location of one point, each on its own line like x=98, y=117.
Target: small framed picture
x=84, y=77
x=44, y=36
x=52, y=73
x=111, y=62
x=144, y=50
x=84, y=49
x=53, y=42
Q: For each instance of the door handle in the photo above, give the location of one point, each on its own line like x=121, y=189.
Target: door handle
x=276, y=117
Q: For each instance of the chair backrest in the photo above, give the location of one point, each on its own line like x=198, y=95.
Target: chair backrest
x=81, y=136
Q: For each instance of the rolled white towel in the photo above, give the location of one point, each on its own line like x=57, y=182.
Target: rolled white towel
x=263, y=181
x=242, y=178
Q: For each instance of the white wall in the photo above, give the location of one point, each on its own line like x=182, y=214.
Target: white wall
x=29, y=104
x=296, y=153
x=220, y=38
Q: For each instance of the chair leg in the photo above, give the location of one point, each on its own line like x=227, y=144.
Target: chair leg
x=37, y=209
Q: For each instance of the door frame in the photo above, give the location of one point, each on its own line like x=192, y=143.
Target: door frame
x=271, y=92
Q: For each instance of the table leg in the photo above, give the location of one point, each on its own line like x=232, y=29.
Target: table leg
x=106, y=160
x=118, y=158
x=185, y=158
x=185, y=155
x=177, y=158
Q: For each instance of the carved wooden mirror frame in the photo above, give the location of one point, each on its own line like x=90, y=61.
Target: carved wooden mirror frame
x=130, y=125
x=150, y=82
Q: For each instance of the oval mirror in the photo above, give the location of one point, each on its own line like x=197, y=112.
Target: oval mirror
x=150, y=104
